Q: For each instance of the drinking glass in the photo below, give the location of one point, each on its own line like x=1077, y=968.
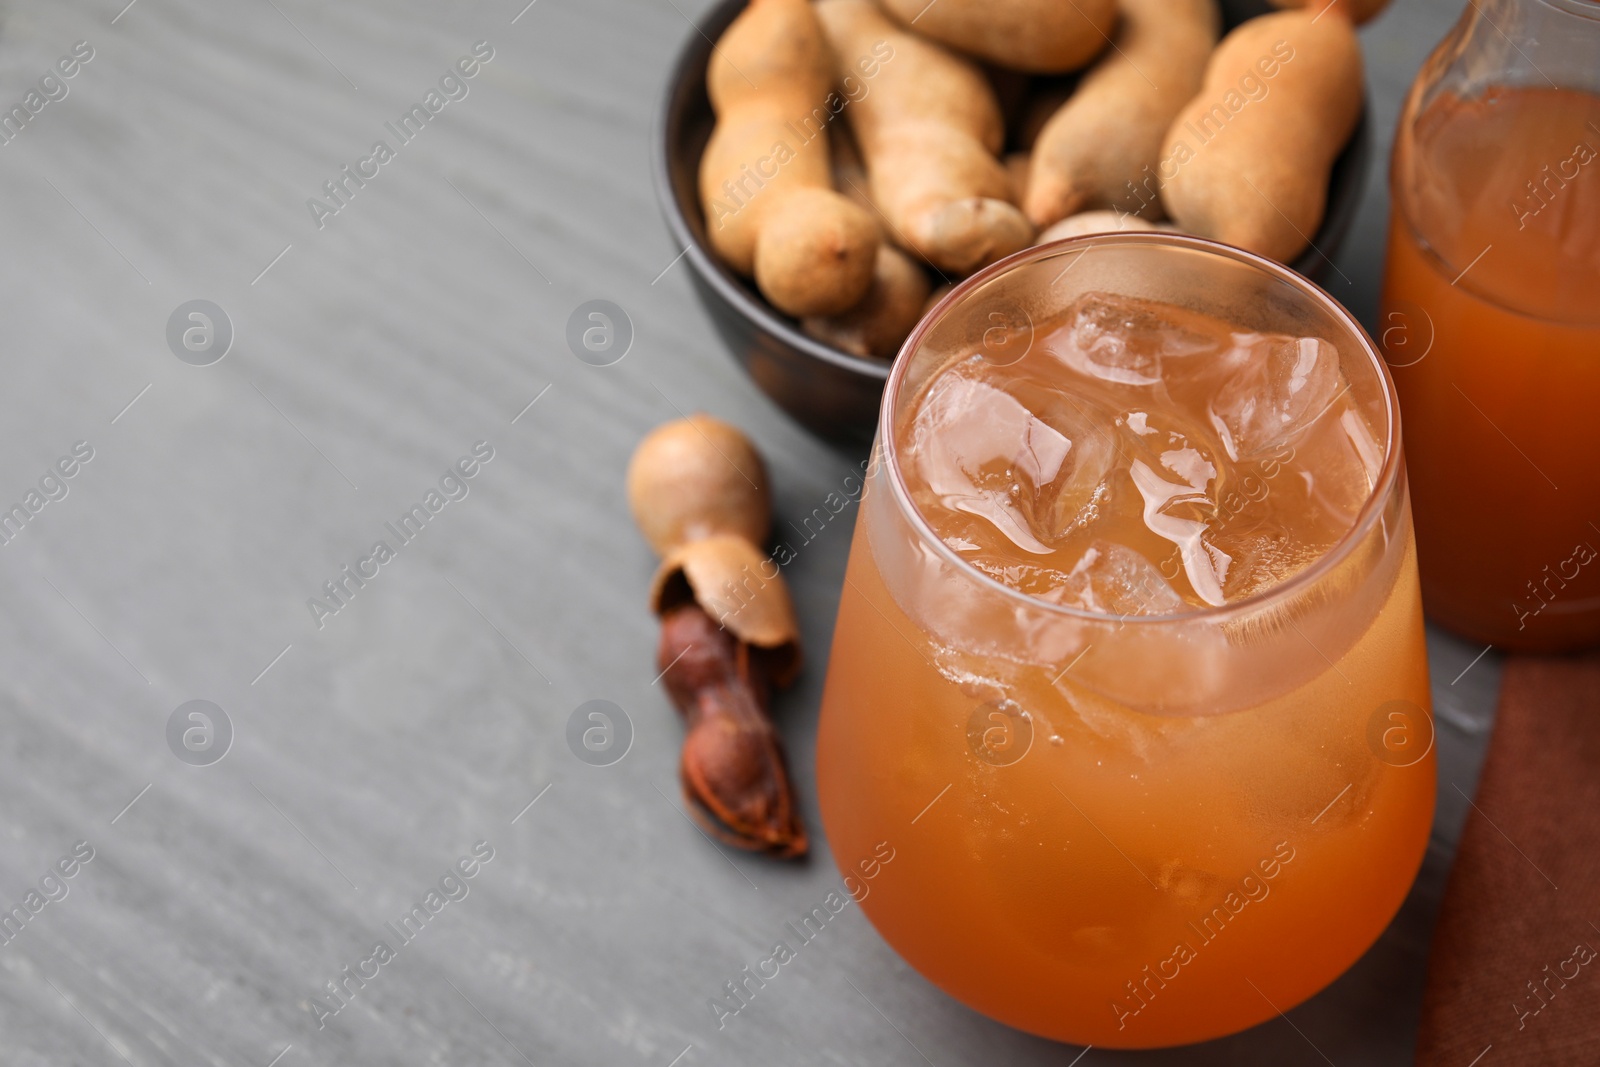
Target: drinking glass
x=1127, y=830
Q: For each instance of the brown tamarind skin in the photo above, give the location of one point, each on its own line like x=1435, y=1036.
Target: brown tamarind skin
x=877, y=326
x=1253, y=171
x=1037, y=36
x=732, y=768
x=1107, y=136
x=765, y=185
x=928, y=125
x=697, y=477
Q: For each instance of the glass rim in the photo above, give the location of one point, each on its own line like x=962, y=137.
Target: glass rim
x=1372, y=508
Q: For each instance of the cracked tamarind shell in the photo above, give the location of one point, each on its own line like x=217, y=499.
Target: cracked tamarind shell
x=698, y=477
x=736, y=584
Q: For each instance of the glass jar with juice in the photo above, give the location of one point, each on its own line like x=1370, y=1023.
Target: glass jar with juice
x=1490, y=321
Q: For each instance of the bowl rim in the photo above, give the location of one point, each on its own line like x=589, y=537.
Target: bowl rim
x=696, y=49
x=1386, y=484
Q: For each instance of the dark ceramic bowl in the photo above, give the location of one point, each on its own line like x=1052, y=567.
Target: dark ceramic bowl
x=832, y=393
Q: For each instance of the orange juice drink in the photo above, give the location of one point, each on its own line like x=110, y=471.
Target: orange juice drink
x=1129, y=663
x=1491, y=323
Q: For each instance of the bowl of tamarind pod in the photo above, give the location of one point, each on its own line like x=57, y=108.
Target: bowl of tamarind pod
x=830, y=170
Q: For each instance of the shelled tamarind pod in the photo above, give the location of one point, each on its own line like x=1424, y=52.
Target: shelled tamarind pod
x=732, y=767
x=928, y=128
x=1247, y=160
x=770, y=208
x=698, y=490
x=1107, y=136
x=1037, y=36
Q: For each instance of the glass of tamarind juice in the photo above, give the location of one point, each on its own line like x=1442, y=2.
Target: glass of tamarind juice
x=1491, y=321
x=1129, y=664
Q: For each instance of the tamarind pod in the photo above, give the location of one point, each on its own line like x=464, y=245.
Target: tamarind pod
x=815, y=255
x=765, y=185
x=1038, y=36
x=1086, y=222
x=1247, y=160
x=912, y=77
x=1108, y=134
x=697, y=477
x=928, y=126
x=878, y=325
x=733, y=581
x=945, y=197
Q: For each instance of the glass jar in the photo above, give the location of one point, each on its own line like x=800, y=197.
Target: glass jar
x=1490, y=321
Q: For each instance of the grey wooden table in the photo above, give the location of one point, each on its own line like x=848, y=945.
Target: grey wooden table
x=372, y=749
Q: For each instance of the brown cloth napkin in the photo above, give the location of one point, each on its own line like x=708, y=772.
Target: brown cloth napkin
x=1514, y=973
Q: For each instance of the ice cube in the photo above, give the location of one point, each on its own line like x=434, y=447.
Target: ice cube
x=1028, y=474
x=1139, y=423
x=1332, y=466
x=1294, y=506
x=1036, y=580
x=1360, y=436
x=1115, y=580
x=1125, y=340
x=1262, y=557
x=1178, y=511
x=1341, y=460
x=1174, y=441
x=1282, y=385
x=1072, y=500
